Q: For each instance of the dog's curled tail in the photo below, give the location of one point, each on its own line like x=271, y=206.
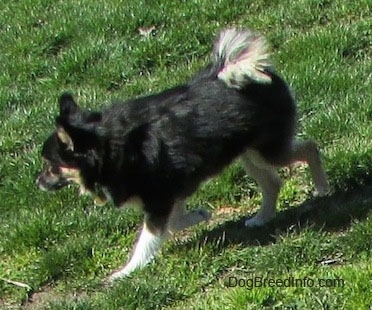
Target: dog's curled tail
x=242, y=57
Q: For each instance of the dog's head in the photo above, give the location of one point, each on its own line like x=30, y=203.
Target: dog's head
x=71, y=153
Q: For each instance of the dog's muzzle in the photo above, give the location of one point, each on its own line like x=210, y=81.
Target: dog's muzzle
x=47, y=182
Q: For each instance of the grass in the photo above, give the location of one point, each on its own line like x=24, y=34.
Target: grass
x=63, y=247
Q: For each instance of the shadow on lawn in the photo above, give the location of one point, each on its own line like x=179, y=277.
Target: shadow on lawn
x=331, y=213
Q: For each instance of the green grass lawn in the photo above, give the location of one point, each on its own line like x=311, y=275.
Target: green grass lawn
x=62, y=247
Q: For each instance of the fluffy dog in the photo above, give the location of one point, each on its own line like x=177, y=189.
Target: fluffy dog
x=158, y=149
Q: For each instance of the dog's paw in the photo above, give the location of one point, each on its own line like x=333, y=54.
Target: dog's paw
x=258, y=221
x=117, y=276
x=121, y=273
x=322, y=188
x=204, y=214
x=191, y=218
x=322, y=191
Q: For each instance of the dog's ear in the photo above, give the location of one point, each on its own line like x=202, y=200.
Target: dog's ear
x=79, y=139
x=76, y=128
x=68, y=109
x=67, y=106
x=65, y=138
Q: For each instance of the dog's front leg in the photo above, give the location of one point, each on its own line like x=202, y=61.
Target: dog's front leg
x=150, y=240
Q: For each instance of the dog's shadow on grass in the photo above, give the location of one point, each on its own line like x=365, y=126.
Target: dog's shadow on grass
x=335, y=212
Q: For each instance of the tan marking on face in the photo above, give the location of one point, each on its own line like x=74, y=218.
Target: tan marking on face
x=73, y=174
x=48, y=171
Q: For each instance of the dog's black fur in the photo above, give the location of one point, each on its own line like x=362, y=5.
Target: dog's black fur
x=159, y=148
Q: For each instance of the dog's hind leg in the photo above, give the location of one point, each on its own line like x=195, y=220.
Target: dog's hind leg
x=269, y=182
x=308, y=151
x=152, y=236
x=181, y=219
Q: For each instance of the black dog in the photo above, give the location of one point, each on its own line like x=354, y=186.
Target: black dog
x=158, y=149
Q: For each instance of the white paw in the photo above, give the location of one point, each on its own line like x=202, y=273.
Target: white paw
x=206, y=215
x=322, y=191
x=121, y=274
x=258, y=221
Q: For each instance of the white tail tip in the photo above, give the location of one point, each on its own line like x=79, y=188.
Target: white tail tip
x=244, y=58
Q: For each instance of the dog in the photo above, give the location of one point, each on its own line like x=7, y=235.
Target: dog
x=159, y=148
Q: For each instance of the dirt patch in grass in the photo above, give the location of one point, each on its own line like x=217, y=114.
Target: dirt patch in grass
x=49, y=295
